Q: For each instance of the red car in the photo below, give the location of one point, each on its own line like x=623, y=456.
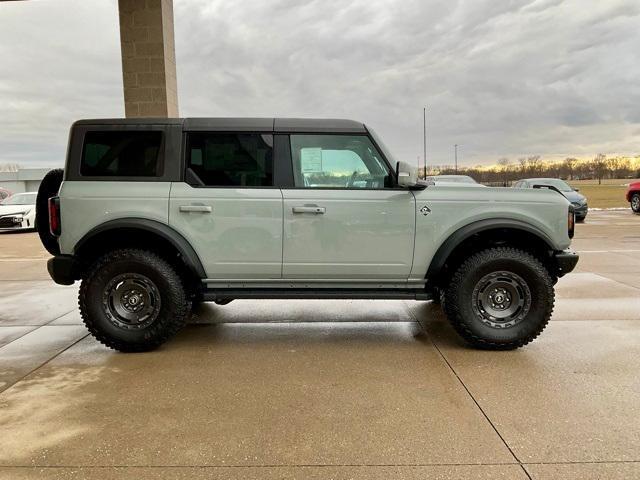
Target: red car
x=633, y=196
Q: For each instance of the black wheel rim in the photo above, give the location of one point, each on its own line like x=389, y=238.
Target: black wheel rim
x=501, y=299
x=131, y=301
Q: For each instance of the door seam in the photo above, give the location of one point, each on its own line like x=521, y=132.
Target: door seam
x=282, y=238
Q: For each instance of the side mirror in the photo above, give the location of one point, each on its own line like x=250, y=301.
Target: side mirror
x=408, y=176
x=576, y=189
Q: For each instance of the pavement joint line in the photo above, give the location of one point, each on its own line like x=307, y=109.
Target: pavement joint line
x=431, y=339
x=60, y=316
x=7, y=387
x=495, y=429
x=293, y=465
x=330, y=465
x=48, y=324
x=616, y=281
x=18, y=338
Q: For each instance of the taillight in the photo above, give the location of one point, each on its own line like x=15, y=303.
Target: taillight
x=54, y=216
x=571, y=222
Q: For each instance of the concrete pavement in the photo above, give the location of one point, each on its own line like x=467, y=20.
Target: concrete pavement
x=326, y=389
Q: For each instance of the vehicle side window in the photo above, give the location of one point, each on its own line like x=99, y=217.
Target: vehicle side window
x=337, y=161
x=231, y=159
x=121, y=154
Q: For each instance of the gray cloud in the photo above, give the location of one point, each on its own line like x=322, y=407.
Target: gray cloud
x=506, y=78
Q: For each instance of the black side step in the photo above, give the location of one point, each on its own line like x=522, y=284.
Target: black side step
x=211, y=295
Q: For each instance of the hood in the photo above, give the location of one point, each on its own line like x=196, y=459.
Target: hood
x=457, y=184
x=493, y=195
x=574, y=196
x=12, y=209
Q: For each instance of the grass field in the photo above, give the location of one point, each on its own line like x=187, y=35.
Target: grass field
x=608, y=195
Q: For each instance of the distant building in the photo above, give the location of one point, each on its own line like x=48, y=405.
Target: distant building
x=24, y=180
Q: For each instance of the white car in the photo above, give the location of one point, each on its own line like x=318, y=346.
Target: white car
x=18, y=212
x=454, y=181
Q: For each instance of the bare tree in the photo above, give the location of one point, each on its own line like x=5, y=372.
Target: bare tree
x=535, y=164
x=569, y=163
x=599, y=166
x=523, y=165
x=505, y=166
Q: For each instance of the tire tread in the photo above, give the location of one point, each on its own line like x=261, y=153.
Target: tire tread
x=163, y=328
x=452, y=294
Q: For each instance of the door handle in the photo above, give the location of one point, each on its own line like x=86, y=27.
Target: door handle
x=310, y=209
x=196, y=208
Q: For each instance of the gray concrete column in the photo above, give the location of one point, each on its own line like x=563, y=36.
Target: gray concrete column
x=148, y=58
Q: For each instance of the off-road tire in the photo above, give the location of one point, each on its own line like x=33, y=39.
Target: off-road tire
x=174, y=303
x=469, y=322
x=635, y=202
x=48, y=188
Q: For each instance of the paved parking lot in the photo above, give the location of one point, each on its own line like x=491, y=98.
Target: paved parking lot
x=326, y=389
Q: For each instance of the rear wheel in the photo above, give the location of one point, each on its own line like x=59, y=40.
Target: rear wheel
x=500, y=298
x=133, y=300
x=635, y=202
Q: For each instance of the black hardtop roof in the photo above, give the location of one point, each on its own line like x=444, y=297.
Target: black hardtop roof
x=295, y=125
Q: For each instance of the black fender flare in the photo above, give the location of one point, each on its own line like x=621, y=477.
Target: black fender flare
x=188, y=254
x=49, y=187
x=463, y=233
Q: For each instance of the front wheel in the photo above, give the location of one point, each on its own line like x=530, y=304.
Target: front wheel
x=133, y=300
x=500, y=299
x=635, y=202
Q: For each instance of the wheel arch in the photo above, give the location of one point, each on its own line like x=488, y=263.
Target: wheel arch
x=142, y=233
x=484, y=234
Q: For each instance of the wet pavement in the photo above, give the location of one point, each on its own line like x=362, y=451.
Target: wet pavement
x=326, y=389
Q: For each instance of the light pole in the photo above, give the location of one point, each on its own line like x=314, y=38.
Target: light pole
x=424, y=142
x=455, y=149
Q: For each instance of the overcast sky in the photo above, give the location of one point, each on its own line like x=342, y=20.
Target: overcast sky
x=504, y=78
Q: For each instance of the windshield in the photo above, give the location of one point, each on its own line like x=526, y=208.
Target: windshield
x=21, y=199
x=555, y=182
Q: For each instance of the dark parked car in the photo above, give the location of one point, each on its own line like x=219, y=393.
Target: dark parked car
x=578, y=200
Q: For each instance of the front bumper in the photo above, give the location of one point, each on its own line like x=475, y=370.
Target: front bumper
x=63, y=269
x=580, y=210
x=14, y=222
x=566, y=261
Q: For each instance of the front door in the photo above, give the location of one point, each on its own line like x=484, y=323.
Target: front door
x=227, y=208
x=343, y=220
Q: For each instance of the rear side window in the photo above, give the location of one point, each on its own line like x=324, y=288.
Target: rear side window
x=231, y=159
x=121, y=154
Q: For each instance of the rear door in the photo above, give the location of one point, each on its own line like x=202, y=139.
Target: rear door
x=227, y=207
x=344, y=220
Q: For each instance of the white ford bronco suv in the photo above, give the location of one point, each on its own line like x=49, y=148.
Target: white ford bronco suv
x=154, y=215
